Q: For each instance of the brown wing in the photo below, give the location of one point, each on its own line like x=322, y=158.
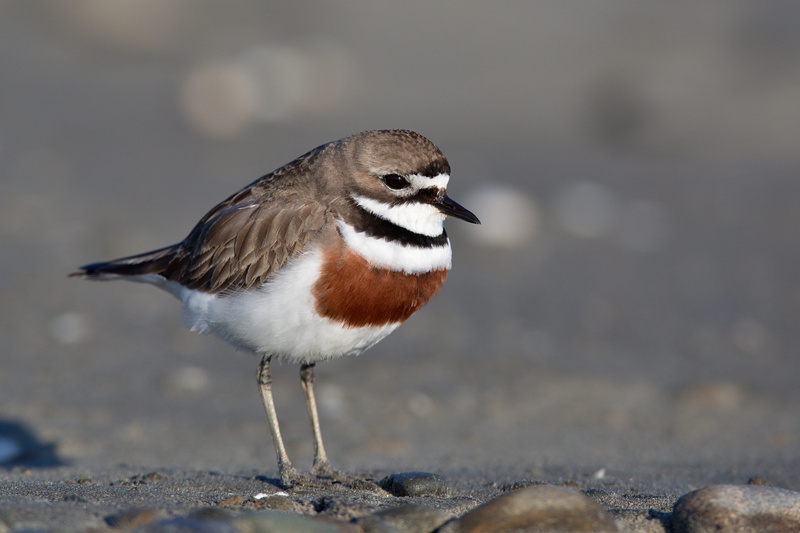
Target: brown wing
x=239, y=245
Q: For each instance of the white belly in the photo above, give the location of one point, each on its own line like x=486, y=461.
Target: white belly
x=277, y=319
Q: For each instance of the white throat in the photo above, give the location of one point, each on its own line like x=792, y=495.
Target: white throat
x=394, y=255
x=419, y=218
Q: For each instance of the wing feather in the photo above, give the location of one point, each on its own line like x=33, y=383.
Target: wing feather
x=240, y=246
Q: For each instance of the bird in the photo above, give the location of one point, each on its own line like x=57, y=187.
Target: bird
x=319, y=259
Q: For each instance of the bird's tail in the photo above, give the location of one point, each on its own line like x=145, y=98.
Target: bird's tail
x=136, y=265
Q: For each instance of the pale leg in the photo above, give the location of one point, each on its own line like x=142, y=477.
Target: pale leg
x=321, y=464
x=288, y=474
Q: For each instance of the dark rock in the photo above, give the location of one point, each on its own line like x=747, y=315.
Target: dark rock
x=279, y=521
x=404, y=519
x=416, y=484
x=188, y=525
x=342, y=508
x=209, y=513
x=536, y=508
x=131, y=518
x=737, y=508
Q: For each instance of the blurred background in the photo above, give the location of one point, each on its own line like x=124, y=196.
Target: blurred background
x=631, y=298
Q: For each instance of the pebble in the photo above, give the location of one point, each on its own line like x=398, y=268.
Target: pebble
x=275, y=502
x=416, y=484
x=232, y=501
x=737, y=508
x=641, y=520
x=535, y=508
x=404, y=519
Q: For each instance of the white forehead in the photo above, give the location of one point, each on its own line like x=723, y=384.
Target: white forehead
x=424, y=182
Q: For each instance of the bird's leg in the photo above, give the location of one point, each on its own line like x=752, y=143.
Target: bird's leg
x=321, y=464
x=288, y=473
x=321, y=467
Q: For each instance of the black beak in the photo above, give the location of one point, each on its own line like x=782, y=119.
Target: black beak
x=453, y=209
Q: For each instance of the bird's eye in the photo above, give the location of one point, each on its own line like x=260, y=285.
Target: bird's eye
x=395, y=181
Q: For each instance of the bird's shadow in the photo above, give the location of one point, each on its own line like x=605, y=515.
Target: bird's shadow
x=20, y=447
x=276, y=481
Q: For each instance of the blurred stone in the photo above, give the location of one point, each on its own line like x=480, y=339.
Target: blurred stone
x=737, y=508
x=600, y=473
x=421, y=405
x=189, y=524
x=535, y=508
x=189, y=379
x=724, y=396
x=209, y=514
x=509, y=217
x=5, y=523
x=415, y=484
x=131, y=518
x=404, y=519
x=641, y=520
x=128, y=25
x=218, y=99
x=332, y=401
x=279, y=521
x=280, y=76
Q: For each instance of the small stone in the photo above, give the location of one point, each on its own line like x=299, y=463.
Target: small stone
x=233, y=501
x=276, y=502
x=279, y=521
x=737, y=508
x=153, y=476
x=599, y=474
x=535, y=508
x=404, y=519
x=415, y=484
x=641, y=520
x=131, y=518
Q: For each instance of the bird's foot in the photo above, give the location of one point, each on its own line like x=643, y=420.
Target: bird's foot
x=324, y=470
x=323, y=475
x=292, y=479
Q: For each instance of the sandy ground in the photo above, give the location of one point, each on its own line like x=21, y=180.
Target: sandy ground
x=629, y=303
